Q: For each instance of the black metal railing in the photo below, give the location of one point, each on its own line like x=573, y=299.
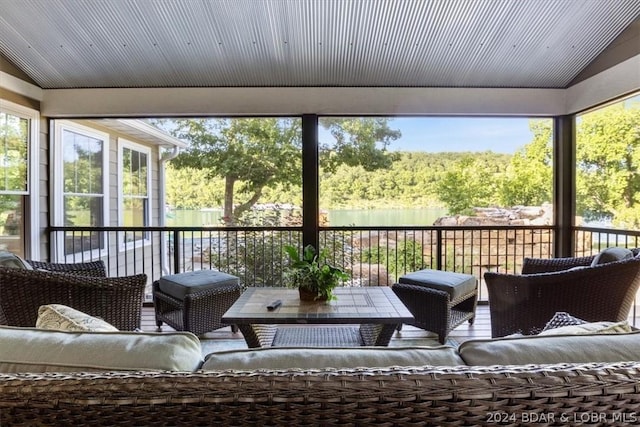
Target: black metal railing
x=373, y=255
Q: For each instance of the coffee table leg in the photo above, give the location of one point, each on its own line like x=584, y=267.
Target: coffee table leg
x=258, y=336
x=386, y=334
x=376, y=334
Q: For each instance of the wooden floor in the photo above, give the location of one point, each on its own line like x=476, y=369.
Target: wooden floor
x=408, y=335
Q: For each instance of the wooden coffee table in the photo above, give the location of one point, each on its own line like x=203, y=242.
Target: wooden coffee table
x=373, y=313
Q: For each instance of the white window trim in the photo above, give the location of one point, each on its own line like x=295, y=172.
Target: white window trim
x=124, y=143
x=33, y=171
x=57, y=211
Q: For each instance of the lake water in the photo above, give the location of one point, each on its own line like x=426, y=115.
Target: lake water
x=338, y=217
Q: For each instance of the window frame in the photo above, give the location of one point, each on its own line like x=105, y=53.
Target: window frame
x=59, y=126
x=32, y=245
x=146, y=240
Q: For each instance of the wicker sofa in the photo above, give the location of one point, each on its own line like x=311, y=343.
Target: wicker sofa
x=365, y=386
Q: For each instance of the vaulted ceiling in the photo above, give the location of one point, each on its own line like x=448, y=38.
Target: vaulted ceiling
x=303, y=43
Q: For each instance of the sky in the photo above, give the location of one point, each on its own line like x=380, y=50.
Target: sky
x=437, y=134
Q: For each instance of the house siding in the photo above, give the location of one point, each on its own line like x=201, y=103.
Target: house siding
x=123, y=261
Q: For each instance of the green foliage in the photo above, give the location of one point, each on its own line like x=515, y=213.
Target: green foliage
x=256, y=157
x=254, y=257
x=528, y=179
x=607, y=170
x=608, y=164
x=405, y=257
x=248, y=154
x=14, y=137
x=470, y=182
x=313, y=272
x=359, y=141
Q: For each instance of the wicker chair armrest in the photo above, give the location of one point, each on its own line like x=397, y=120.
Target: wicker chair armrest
x=423, y=292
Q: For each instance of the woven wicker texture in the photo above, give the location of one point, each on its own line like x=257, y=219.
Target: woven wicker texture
x=525, y=303
x=117, y=300
x=93, y=268
x=199, y=312
x=434, y=310
x=317, y=337
x=358, y=397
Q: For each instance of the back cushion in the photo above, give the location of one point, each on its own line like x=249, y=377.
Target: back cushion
x=611, y=255
x=319, y=358
x=552, y=349
x=9, y=260
x=38, y=350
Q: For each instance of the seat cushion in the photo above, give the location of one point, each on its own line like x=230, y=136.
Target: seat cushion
x=456, y=284
x=182, y=284
x=547, y=349
x=325, y=357
x=46, y=350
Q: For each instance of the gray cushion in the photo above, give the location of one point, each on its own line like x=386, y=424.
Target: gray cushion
x=182, y=284
x=456, y=284
x=320, y=358
x=611, y=255
x=539, y=349
x=9, y=260
x=41, y=350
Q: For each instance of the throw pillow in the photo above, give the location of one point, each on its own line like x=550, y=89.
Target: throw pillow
x=611, y=255
x=561, y=319
x=10, y=260
x=591, y=328
x=63, y=318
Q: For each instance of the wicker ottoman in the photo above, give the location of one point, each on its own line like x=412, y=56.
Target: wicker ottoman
x=195, y=301
x=439, y=300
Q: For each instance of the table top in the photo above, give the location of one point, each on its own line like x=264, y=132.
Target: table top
x=371, y=304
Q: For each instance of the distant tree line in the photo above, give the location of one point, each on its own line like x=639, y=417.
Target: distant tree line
x=233, y=163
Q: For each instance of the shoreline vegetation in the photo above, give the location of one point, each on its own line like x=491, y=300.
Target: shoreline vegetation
x=410, y=183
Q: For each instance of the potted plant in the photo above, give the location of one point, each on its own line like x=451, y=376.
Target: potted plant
x=312, y=274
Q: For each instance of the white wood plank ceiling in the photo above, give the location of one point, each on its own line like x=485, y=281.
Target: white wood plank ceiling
x=273, y=43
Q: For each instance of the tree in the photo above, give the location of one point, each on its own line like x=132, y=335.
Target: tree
x=252, y=155
x=528, y=179
x=468, y=183
x=358, y=142
x=608, y=164
x=249, y=154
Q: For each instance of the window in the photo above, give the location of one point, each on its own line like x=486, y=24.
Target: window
x=17, y=132
x=134, y=190
x=81, y=155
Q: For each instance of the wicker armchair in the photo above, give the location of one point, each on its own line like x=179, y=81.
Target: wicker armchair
x=117, y=300
x=525, y=303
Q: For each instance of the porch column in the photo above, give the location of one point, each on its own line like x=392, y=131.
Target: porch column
x=564, y=193
x=310, y=192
